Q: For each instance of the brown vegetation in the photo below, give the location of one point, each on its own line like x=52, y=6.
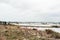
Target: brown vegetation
x=11, y=32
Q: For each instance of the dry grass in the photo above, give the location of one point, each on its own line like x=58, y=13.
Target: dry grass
x=11, y=32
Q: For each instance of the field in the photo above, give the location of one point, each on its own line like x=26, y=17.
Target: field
x=13, y=32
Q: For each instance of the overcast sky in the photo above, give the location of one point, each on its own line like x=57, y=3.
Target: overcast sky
x=30, y=10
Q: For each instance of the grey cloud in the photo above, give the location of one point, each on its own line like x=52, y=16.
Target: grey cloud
x=29, y=10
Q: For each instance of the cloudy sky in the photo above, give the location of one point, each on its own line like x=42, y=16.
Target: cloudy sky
x=30, y=10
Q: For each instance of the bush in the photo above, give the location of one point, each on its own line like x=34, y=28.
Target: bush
x=55, y=26
x=48, y=31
